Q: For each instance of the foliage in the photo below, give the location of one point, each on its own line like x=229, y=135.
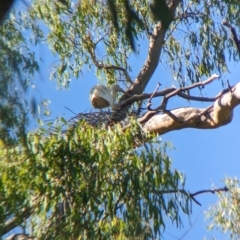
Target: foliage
x=207, y=44
x=225, y=214
x=111, y=190
x=73, y=40
x=17, y=66
x=85, y=182
x=79, y=45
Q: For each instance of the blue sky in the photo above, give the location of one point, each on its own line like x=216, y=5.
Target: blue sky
x=205, y=156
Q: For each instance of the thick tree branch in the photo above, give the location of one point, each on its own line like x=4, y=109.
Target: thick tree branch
x=213, y=117
x=20, y=216
x=156, y=42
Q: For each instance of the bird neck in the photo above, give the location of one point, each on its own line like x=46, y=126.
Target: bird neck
x=114, y=96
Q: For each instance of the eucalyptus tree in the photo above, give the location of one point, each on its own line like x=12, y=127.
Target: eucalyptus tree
x=111, y=178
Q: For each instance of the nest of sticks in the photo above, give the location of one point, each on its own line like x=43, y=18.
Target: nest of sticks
x=106, y=117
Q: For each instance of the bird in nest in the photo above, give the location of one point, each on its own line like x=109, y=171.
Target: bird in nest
x=102, y=96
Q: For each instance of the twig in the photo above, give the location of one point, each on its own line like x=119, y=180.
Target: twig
x=171, y=115
x=100, y=64
x=198, y=84
x=144, y=96
x=225, y=189
x=150, y=99
x=70, y=110
x=100, y=39
x=192, y=195
x=170, y=92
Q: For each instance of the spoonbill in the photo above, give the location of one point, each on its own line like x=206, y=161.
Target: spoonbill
x=102, y=96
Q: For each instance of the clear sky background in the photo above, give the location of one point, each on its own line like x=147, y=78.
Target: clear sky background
x=205, y=156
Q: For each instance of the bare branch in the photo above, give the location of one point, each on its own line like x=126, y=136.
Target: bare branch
x=170, y=92
x=192, y=195
x=150, y=99
x=198, y=84
x=225, y=189
x=100, y=64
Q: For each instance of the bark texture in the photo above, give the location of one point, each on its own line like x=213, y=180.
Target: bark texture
x=221, y=113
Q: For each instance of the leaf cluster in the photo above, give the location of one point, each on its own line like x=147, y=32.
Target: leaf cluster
x=76, y=32
x=17, y=66
x=225, y=214
x=90, y=184
x=198, y=43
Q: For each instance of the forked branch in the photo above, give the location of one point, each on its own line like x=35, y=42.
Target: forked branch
x=217, y=115
x=171, y=92
x=160, y=120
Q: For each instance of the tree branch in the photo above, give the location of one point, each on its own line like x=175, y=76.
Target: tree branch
x=192, y=195
x=198, y=84
x=214, y=116
x=24, y=214
x=156, y=42
x=170, y=92
x=100, y=64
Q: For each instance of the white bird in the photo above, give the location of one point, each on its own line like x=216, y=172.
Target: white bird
x=102, y=96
